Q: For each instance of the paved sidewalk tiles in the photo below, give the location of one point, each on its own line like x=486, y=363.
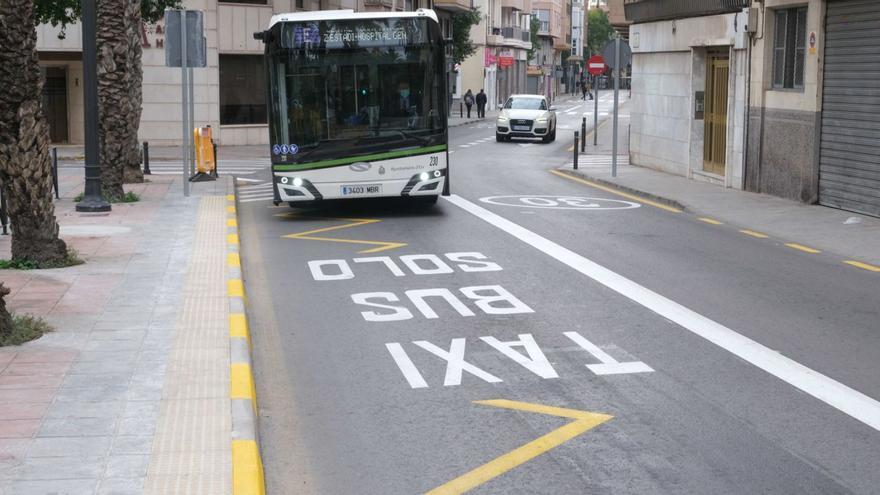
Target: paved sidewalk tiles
x=130, y=393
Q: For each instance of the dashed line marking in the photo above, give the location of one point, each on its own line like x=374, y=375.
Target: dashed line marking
x=803, y=248
x=754, y=234
x=863, y=266
x=710, y=220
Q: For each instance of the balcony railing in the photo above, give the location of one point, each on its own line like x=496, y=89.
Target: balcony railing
x=515, y=32
x=659, y=10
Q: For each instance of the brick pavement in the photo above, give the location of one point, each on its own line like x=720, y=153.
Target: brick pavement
x=81, y=407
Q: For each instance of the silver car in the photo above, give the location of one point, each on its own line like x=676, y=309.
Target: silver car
x=527, y=116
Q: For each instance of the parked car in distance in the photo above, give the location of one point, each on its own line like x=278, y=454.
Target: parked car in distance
x=526, y=116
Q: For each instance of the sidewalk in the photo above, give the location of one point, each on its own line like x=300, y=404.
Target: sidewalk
x=131, y=392
x=844, y=233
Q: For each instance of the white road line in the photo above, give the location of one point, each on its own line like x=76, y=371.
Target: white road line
x=254, y=200
x=845, y=399
x=247, y=180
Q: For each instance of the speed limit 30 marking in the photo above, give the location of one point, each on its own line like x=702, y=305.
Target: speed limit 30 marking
x=551, y=202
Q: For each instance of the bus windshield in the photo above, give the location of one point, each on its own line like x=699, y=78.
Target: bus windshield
x=355, y=87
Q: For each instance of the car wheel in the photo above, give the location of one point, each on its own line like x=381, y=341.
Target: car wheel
x=498, y=137
x=553, y=135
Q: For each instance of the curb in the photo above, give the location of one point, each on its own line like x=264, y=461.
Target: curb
x=247, y=466
x=653, y=197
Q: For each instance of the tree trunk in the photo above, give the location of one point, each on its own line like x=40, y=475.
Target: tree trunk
x=114, y=103
x=5, y=317
x=25, y=170
x=132, y=172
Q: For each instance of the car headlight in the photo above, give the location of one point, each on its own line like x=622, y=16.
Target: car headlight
x=502, y=119
x=542, y=119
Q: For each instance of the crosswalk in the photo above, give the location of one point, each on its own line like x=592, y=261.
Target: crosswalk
x=227, y=167
x=600, y=160
x=252, y=193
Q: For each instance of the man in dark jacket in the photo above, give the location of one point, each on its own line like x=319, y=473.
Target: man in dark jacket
x=481, y=104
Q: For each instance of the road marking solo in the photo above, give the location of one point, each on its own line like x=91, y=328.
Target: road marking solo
x=847, y=400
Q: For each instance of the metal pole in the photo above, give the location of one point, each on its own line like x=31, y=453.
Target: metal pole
x=596, y=111
x=575, y=157
x=616, y=91
x=216, y=161
x=184, y=108
x=584, y=134
x=147, y=158
x=92, y=200
x=55, y=171
x=192, y=122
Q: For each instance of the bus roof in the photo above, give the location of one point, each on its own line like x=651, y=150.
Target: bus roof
x=337, y=15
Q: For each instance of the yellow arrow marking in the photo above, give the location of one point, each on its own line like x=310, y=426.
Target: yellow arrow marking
x=583, y=421
x=352, y=222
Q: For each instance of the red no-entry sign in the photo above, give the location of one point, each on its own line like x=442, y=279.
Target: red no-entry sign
x=596, y=65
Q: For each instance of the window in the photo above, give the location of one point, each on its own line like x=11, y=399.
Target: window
x=242, y=90
x=544, y=18
x=300, y=5
x=789, y=46
x=254, y=2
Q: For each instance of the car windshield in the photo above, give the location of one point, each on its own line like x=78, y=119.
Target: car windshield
x=525, y=104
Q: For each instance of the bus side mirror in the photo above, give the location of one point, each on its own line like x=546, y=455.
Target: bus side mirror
x=260, y=35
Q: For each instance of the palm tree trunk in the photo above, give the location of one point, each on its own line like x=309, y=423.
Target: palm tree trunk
x=5, y=317
x=25, y=170
x=114, y=103
x=132, y=169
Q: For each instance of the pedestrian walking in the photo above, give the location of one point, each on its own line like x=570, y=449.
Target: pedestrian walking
x=469, y=101
x=482, y=99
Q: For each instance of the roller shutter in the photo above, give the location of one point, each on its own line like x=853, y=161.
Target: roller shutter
x=849, y=158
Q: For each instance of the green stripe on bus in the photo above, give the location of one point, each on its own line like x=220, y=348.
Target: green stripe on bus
x=346, y=161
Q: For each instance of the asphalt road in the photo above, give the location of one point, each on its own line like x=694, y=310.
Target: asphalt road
x=727, y=363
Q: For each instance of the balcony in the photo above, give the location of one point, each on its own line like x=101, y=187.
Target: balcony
x=520, y=5
x=510, y=36
x=453, y=5
x=659, y=10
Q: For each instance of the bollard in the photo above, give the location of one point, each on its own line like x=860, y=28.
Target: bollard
x=460, y=110
x=575, y=150
x=4, y=217
x=583, y=134
x=147, y=158
x=216, y=162
x=55, y=171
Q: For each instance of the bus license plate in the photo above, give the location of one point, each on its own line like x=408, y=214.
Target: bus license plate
x=521, y=128
x=362, y=190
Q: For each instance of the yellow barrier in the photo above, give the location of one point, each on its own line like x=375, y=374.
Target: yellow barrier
x=204, y=144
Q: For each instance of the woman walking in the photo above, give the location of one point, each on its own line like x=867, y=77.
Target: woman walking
x=469, y=101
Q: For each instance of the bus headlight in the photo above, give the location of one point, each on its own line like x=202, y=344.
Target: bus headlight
x=437, y=173
x=424, y=176
x=297, y=182
x=284, y=180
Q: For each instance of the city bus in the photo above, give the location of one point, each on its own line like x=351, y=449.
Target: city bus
x=357, y=106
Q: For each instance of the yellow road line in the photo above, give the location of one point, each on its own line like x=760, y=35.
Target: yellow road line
x=230, y=197
x=231, y=222
x=230, y=209
x=754, y=234
x=710, y=220
x=863, y=266
x=247, y=469
x=352, y=222
x=241, y=382
x=803, y=248
x=583, y=421
x=615, y=191
x=232, y=238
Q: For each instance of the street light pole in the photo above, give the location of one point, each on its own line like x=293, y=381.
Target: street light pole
x=92, y=200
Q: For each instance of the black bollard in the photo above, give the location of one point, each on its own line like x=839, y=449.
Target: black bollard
x=55, y=171
x=584, y=134
x=4, y=217
x=575, y=150
x=216, y=161
x=147, y=158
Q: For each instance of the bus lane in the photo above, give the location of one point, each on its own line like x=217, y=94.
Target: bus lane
x=432, y=358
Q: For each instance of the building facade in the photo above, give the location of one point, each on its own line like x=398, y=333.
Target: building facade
x=230, y=93
x=775, y=96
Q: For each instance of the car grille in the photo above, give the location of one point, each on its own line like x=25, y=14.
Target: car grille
x=521, y=122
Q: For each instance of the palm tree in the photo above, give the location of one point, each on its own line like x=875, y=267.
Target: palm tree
x=5, y=317
x=24, y=140
x=131, y=171
x=114, y=101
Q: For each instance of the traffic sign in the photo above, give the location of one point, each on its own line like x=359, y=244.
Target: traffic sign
x=596, y=65
x=625, y=54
